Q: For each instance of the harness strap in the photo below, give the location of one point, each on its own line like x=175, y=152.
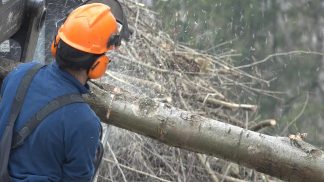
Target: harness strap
x=5, y=144
x=33, y=122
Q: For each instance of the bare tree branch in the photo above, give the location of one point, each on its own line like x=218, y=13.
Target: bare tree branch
x=297, y=52
x=135, y=170
x=211, y=172
x=263, y=124
x=276, y=156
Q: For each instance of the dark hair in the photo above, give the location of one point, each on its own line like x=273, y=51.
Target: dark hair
x=69, y=57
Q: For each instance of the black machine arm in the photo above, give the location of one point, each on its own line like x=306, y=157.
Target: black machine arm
x=21, y=20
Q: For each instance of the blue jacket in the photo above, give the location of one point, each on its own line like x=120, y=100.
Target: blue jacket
x=63, y=146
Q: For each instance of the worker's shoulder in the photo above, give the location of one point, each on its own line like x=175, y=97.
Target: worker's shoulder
x=80, y=113
x=22, y=68
x=79, y=117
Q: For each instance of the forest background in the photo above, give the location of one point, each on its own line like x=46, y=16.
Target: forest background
x=286, y=36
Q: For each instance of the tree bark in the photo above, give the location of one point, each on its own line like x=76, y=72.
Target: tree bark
x=290, y=159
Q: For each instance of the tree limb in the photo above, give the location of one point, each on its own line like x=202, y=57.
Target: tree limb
x=276, y=156
x=263, y=124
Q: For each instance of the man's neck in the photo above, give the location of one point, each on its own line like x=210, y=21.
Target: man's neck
x=81, y=76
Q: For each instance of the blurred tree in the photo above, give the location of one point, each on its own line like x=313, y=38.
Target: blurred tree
x=257, y=29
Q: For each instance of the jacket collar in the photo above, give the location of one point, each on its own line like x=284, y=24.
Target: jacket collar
x=83, y=89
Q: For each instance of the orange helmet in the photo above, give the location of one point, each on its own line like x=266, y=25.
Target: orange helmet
x=90, y=28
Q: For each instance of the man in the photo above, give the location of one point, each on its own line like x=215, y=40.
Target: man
x=63, y=146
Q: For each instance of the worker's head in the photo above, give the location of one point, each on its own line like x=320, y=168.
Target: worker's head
x=86, y=35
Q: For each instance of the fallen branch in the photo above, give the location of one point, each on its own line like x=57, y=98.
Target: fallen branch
x=272, y=155
x=116, y=161
x=205, y=163
x=263, y=124
x=135, y=81
x=230, y=105
x=297, y=52
x=136, y=171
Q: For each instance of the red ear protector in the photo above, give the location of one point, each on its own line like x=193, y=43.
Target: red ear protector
x=99, y=67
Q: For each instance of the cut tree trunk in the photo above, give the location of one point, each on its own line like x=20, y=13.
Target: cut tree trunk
x=290, y=158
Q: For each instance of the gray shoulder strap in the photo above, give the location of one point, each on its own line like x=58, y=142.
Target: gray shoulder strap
x=5, y=143
x=33, y=122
